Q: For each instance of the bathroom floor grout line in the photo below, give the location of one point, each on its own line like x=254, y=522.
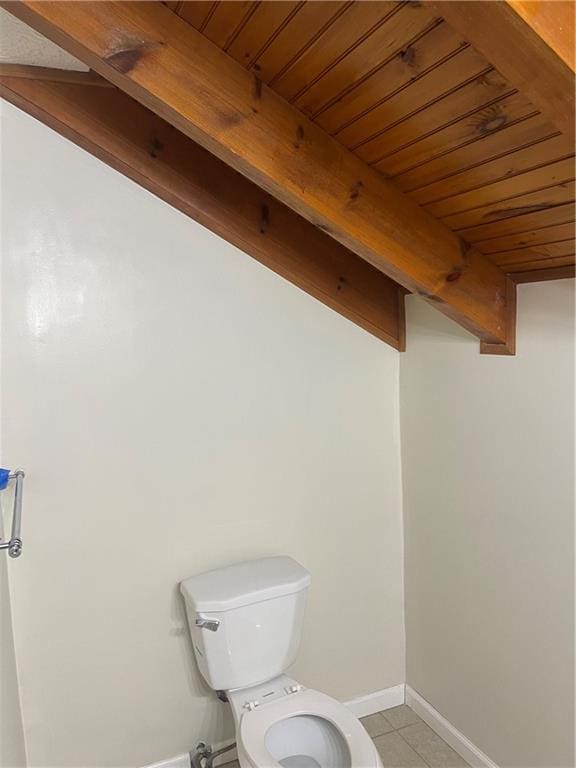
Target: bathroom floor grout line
x=411, y=747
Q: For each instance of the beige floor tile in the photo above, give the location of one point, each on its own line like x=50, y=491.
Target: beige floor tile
x=400, y=717
x=396, y=753
x=431, y=747
x=376, y=725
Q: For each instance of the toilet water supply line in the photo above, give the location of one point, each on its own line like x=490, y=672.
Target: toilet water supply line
x=14, y=545
x=204, y=757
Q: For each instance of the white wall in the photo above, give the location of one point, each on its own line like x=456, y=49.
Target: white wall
x=12, y=748
x=488, y=468
x=176, y=407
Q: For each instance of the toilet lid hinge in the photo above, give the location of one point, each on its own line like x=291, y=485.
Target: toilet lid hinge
x=293, y=689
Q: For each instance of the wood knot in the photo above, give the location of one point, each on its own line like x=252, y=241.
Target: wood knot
x=257, y=88
x=341, y=283
x=355, y=191
x=228, y=120
x=155, y=147
x=465, y=247
x=492, y=124
x=299, y=137
x=408, y=56
x=489, y=120
x=264, y=218
x=456, y=274
x=127, y=55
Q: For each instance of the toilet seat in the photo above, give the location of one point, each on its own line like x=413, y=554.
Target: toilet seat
x=254, y=725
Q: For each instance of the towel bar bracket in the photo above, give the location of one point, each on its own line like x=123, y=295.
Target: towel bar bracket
x=14, y=545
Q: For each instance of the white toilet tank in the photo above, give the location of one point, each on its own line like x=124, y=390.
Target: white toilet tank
x=246, y=620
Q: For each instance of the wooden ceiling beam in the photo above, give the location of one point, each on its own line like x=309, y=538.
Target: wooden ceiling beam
x=54, y=75
x=554, y=22
x=160, y=60
x=531, y=43
x=127, y=136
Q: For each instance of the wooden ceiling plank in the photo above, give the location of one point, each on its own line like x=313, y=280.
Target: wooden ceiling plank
x=540, y=275
x=562, y=261
x=347, y=31
x=472, y=101
x=507, y=259
x=517, y=50
x=265, y=24
x=534, y=237
x=561, y=214
x=152, y=55
x=487, y=121
x=296, y=37
x=542, y=199
x=523, y=183
x=196, y=12
x=473, y=98
x=483, y=149
x=134, y=141
x=385, y=42
x=505, y=166
x=416, y=58
x=227, y=18
x=455, y=73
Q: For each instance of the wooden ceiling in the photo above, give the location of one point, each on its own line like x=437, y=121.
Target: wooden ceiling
x=407, y=94
x=433, y=140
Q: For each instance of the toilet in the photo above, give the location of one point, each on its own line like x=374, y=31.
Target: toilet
x=246, y=623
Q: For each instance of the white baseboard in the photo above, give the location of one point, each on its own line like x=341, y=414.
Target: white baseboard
x=451, y=735
x=180, y=761
x=376, y=702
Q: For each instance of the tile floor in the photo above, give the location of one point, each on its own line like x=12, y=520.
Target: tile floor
x=405, y=741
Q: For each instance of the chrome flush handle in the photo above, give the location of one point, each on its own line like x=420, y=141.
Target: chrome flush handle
x=210, y=624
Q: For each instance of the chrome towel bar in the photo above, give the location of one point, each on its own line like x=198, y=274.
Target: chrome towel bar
x=14, y=546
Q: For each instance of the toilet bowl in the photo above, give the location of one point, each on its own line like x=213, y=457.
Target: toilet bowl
x=245, y=623
x=296, y=727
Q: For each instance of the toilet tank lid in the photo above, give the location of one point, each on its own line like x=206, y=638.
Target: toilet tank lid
x=245, y=583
